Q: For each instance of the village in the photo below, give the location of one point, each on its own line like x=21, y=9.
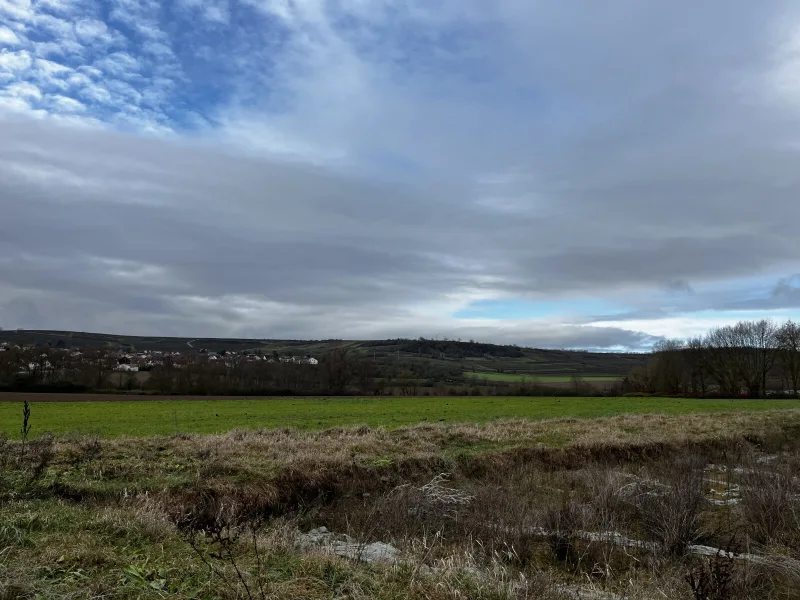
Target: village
x=54, y=357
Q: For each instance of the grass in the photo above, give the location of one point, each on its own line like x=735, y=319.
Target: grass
x=165, y=417
x=534, y=378
x=107, y=524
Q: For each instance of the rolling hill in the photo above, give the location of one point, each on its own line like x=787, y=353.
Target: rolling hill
x=471, y=357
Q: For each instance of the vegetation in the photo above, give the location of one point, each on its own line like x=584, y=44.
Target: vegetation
x=71, y=362
x=752, y=358
x=466, y=496
x=514, y=509
x=516, y=377
x=169, y=416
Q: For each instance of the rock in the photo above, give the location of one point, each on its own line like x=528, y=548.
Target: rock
x=582, y=593
x=347, y=547
x=376, y=552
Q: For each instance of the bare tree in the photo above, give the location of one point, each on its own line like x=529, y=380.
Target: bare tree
x=758, y=345
x=723, y=348
x=97, y=365
x=788, y=337
x=642, y=379
x=668, y=366
x=695, y=357
x=336, y=370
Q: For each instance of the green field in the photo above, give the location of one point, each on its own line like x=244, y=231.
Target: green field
x=143, y=418
x=531, y=377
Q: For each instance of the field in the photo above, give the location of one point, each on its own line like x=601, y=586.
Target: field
x=105, y=416
x=534, y=378
x=632, y=506
x=484, y=498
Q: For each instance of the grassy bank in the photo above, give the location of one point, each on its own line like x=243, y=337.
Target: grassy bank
x=164, y=417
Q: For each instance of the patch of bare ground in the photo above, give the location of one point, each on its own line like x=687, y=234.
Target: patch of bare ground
x=625, y=507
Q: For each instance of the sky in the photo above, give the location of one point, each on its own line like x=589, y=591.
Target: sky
x=582, y=174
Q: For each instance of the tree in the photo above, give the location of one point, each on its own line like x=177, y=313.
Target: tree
x=336, y=370
x=642, y=379
x=723, y=349
x=668, y=366
x=788, y=337
x=758, y=342
x=695, y=357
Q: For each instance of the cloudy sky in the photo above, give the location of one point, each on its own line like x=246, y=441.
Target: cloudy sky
x=562, y=174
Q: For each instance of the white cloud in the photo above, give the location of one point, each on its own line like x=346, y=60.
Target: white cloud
x=15, y=61
x=158, y=49
x=13, y=104
x=51, y=68
x=96, y=93
x=63, y=48
x=8, y=37
x=119, y=64
x=63, y=7
x=94, y=31
x=214, y=11
x=24, y=90
x=65, y=104
x=689, y=326
x=62, y=29
x=79, y=80
x=17, y=9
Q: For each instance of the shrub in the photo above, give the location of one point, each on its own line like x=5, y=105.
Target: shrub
x=672, y=514
x=768, y=501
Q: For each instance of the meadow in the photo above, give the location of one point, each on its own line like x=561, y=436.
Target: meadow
x=534, y=378
x=167, y=416
x=630, y=507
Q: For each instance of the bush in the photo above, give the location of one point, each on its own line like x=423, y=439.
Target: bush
x=672, y=514
x=769, y=502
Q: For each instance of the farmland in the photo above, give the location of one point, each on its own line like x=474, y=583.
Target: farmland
x=534, y=378
x=107, y=417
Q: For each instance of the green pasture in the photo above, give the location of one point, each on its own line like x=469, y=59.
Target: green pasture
x=164, y=417
x=531, y=378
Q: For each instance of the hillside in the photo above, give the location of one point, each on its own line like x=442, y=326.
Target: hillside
x=470, y=357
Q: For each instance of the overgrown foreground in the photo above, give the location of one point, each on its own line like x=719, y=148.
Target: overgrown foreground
x=693, y=506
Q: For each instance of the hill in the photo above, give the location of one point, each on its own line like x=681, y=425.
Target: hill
x=474, y=358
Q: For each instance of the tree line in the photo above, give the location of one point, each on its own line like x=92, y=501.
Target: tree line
x=749, y=359
x=339, y=372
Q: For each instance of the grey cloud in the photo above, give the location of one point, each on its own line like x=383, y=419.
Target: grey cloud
x=679, y=286
x=788, y=290
x=633, y=150
x=785, y=294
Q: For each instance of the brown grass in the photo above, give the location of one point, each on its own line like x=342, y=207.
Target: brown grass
x=100, y=507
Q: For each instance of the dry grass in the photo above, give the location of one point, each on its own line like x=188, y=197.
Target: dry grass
x=527, y=510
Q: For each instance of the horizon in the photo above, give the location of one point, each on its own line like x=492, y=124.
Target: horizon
x=310, y=340
x=594, y=177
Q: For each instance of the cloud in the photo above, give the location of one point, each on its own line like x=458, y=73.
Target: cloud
x=96, y=32
x=17, y=9
x=65, y=104
x=8, y=37
x=679, y=286
x=11, y=62
x=372, y=168
x=788, y=290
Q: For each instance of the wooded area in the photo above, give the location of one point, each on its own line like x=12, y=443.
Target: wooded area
x=752, y=358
